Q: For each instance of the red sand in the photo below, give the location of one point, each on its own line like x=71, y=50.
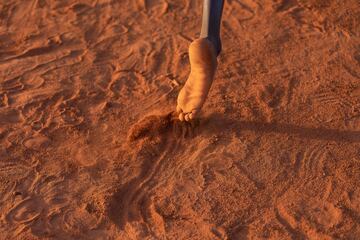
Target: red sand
x=275, y=155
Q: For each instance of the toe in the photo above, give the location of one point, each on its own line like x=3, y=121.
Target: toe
x=181, y=116
x=187, y=117
x=194, y=114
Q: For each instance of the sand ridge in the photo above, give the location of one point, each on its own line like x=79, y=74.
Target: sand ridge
x=90, y=149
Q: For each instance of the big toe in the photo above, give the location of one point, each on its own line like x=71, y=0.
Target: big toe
x=180, y=113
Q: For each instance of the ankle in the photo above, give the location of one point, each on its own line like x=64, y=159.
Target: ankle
x=216, y=42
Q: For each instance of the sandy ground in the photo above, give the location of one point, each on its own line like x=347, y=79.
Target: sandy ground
x=276, y=154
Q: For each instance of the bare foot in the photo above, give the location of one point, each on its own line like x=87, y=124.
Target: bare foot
x=203, y=66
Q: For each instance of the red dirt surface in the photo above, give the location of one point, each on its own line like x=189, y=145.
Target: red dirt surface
x=89, y=148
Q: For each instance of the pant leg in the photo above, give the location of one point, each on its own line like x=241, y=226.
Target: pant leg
x=211, y=22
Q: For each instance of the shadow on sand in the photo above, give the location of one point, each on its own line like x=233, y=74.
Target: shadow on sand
x=283, y=128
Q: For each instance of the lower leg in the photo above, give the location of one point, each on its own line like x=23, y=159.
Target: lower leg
x=211, y=21
x=202, y=53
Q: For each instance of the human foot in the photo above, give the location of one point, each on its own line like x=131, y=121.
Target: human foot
x=203, y=66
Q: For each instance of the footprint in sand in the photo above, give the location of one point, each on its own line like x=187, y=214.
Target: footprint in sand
x=151, y=141
x=25, y=211
x=272, y=96
x=86, y=156
x=311, y=162
x=71, y=116
x=309, y=220
x=354, y=199
x=325, y=214
x=80, y=219
x=326, y=96
x=10, y=117
x=37, y=142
